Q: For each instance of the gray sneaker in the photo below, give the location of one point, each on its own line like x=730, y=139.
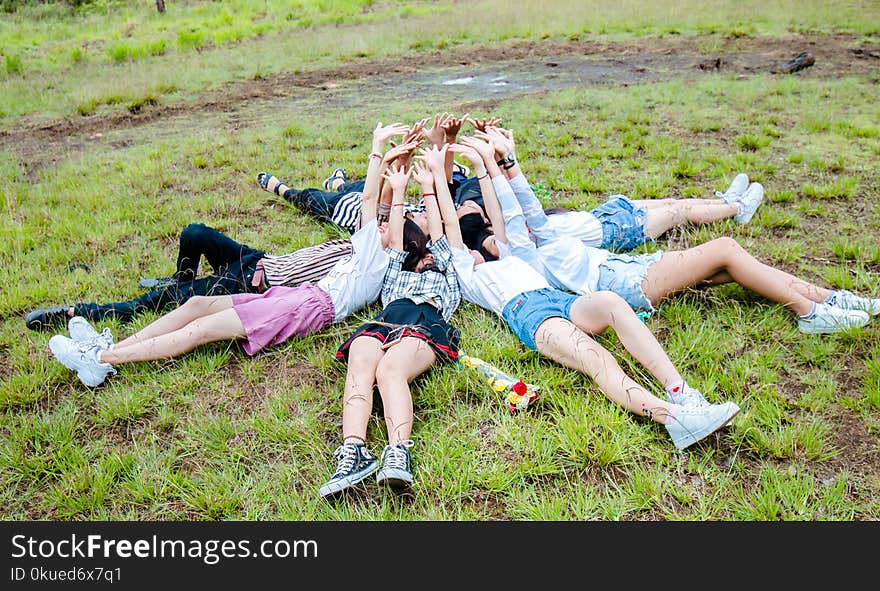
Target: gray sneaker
x=749, y=202
x=687, y=396
x=736, y=189
x=847, y=300
x=693, y=423
x=81, y=331
x=83, y=358
x=825, y=318
x=354, y=463
x=396, y=470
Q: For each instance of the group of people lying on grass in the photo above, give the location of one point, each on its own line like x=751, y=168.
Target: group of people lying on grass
x=555, y=279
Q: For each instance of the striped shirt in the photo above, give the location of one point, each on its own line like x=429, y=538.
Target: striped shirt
x=347, y=211
x=306, y=264
x=440, y=286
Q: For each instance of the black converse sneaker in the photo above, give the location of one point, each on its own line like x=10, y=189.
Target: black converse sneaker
x=396, y=469
x=354, y=463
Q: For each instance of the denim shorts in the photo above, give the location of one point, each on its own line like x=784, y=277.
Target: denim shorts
x=623, y=223
x=623, y=274
x=525, y=313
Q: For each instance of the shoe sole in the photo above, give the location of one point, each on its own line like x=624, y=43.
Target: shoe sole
x=832, y=329
x=397, y=481
x=330, y=490
x=693, y=438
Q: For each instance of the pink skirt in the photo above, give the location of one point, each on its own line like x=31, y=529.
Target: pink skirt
x=272, y=317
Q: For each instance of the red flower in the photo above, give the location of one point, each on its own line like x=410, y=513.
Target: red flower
x=520, y=388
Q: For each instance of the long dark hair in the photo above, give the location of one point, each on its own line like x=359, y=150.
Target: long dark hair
x=474, y=231
x=415, y=243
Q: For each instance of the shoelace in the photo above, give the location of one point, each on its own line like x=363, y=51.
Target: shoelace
x=394, y=456
x=691, y=397
x=346, y=456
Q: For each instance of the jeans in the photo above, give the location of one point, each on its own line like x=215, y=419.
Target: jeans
x=233, y=264
x=321, y=203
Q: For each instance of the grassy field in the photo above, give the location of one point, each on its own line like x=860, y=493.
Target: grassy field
x=216, y=434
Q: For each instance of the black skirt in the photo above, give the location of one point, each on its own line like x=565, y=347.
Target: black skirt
x=404, y=318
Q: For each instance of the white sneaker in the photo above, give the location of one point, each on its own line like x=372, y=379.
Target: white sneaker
x=749, y=202
x=687, y=396
x=825, y=318
x=736, y=189
x=83, y=358
x=693, y=423
x=847, y=300
x=81, y=331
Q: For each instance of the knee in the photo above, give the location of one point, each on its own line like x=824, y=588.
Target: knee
x=609, y=303
x=197, y=303
x=389, y=375
x=193, y=233
x=726, y=244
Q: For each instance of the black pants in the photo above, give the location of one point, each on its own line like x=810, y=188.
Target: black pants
x=321, y=203
x=233, y=264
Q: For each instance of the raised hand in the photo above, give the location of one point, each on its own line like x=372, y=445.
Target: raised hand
x=469, y=154
x=481, y=124
x=502, y=138
x=384, y=133
x=403, y=150
x=485, y=148
x=434, y=158
x=398, y=178
x=422, y=175
x=416, y=132
x=435, y=134
x=452, y=126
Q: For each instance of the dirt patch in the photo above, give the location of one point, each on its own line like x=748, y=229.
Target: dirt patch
x=278, y=376
x=524, y=66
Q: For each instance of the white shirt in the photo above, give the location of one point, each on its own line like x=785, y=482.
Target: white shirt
x=492, y=284
x=564, y=260
x=356, y=280
x=582, y=225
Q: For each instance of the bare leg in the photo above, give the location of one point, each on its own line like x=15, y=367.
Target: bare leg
x=194, y=308
x=363, y=358
x=221, y=326
x=672, y=213
x=401, y=364
x=600, y=310
x=565, y=343
x=723, y=258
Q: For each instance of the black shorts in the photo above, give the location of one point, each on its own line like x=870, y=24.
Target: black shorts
x=404, y=318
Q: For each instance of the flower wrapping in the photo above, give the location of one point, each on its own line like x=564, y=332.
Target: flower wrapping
x=519, y=393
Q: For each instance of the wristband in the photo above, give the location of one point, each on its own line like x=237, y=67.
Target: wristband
x=376, y=155
x=398, y=204
x=479, y=178
x=429, y=194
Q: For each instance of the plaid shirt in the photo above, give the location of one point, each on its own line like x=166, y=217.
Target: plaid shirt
x=440, y=286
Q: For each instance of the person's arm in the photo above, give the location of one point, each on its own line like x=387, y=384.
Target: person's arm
x=533, y=209
x=493, y=209
x=435, y=160
x=375, y=169
x=397, y=179
x=425, y=178
x=451, y=128
x=391, y=156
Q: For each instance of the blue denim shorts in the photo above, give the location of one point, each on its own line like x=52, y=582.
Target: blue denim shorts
x=525, y=313
x=623, y=223
x=623, y=274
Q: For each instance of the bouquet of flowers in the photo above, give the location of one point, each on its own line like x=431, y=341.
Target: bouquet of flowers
x=519, y=393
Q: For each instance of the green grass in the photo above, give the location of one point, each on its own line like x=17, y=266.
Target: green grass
x=216, y=434
x=129, y=47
